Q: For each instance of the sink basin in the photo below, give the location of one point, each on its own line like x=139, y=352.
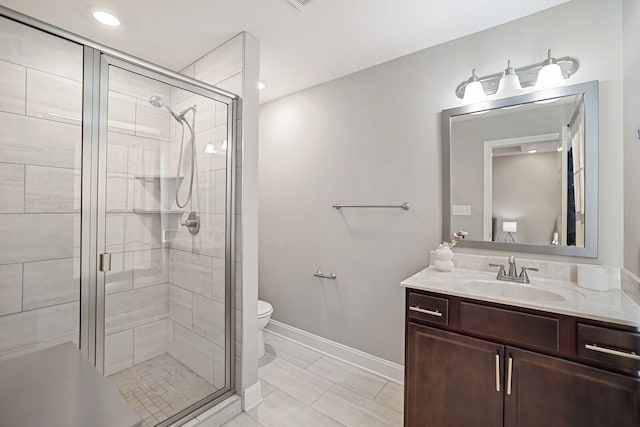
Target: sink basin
x=512, y=290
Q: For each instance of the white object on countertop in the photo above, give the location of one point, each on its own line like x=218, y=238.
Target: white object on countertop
x=598, y=278
x=443, y=258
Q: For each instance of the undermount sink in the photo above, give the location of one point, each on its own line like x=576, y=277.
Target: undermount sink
x=512, y=290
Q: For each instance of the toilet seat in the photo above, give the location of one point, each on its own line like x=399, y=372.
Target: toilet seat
x=264, y=309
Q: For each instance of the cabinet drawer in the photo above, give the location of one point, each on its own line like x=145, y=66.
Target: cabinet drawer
x=428, y=309
x=609, y=347
x=510, y=326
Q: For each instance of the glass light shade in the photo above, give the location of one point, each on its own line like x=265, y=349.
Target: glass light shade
x=474, y=93
x=509, y=85
x=550, y=76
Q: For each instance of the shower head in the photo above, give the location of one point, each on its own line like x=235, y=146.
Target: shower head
x=157, y=102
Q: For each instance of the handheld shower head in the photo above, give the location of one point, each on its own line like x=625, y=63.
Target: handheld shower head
x=157, y=102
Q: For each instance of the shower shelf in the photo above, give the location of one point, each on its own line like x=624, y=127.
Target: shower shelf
x=157, y=211
x=158, y=177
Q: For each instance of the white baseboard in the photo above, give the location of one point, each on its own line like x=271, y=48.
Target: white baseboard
x=384, y=368
x=252, y=397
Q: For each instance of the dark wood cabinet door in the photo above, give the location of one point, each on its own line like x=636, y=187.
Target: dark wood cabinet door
x=551, y=392
x=453, y=380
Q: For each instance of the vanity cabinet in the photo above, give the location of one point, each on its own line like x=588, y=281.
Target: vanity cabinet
x=496, y=365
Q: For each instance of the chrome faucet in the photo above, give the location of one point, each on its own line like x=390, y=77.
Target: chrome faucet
x=512, y=276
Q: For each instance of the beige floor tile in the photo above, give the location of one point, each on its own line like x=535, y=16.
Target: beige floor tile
x=392, y=396
x=353, y=410
x=281, y=410
x=243, y=420
x=348, y=376
x=267, y=388
x=290, y=351
x=295, y=381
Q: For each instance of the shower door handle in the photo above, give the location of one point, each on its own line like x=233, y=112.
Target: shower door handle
x=104, y=263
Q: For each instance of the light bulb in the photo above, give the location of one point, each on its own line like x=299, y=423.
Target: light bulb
x=550, y=75
x=509, y=83
x=473, y=92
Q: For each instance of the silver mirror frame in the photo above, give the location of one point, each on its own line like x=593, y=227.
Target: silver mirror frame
x=590, y=91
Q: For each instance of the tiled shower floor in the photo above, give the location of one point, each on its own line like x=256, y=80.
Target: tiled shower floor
x=159, y=388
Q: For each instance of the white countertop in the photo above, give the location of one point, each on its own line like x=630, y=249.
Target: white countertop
x=613, y=306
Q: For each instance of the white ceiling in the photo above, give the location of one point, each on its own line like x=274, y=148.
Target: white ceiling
x=299, y=48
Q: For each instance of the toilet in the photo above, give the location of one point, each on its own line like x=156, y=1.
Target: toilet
x=264, y=314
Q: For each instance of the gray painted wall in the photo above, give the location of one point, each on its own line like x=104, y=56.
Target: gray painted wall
x=374, y=136
x=631, y=143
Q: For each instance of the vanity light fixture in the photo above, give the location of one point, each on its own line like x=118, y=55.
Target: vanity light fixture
x=473, y=90
x=106, y=18
x=549, y=73
x=509, y=83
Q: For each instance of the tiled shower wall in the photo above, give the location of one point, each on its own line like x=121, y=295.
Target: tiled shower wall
x=197, y=262
x=137, y=290
x=40, y=143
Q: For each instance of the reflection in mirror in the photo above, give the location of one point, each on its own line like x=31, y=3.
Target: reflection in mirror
x=518, y=174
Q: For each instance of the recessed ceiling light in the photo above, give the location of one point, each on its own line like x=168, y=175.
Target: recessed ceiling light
x=106, y=18
x=261, y=85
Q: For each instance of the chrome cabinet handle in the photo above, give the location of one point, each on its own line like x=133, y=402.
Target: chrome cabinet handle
x=422, y=310
x=509, y=372
x=628, y=355
x=497, y=372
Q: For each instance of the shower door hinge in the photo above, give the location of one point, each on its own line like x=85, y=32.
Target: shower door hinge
x=104, y=262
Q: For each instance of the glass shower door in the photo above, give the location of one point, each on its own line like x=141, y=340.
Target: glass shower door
x=164, y=206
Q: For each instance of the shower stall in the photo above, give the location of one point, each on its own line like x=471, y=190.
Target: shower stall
x=116, y=218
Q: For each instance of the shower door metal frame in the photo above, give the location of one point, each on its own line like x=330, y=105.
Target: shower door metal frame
x=184, y=83
x=97, y=58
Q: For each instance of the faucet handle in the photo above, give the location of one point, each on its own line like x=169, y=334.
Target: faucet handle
x=501, y=272
x=523, y=273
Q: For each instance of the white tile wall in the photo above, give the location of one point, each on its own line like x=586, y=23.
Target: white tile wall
x=51, y=190
x=51, y=282
x=191, y=271
x=10, y=289
x=194, y=351
x=149, y=341
x=208, y=319
x=118, y=352
x=150, y=268
x=152, y=122
x=53, y=97
x=129, y=309
x=223, y=62
x=181, y=306
x=12, y=87
x=36, y=49
x=122, y=113
x=120, y=278
x=32, y=141
x=28, y=238
x=120, y=192
x=11, y=188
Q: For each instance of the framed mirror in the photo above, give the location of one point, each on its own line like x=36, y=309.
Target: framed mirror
x=521, y=173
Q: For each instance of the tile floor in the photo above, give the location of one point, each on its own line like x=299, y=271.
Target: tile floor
x=159, y=388
x=303, y=388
